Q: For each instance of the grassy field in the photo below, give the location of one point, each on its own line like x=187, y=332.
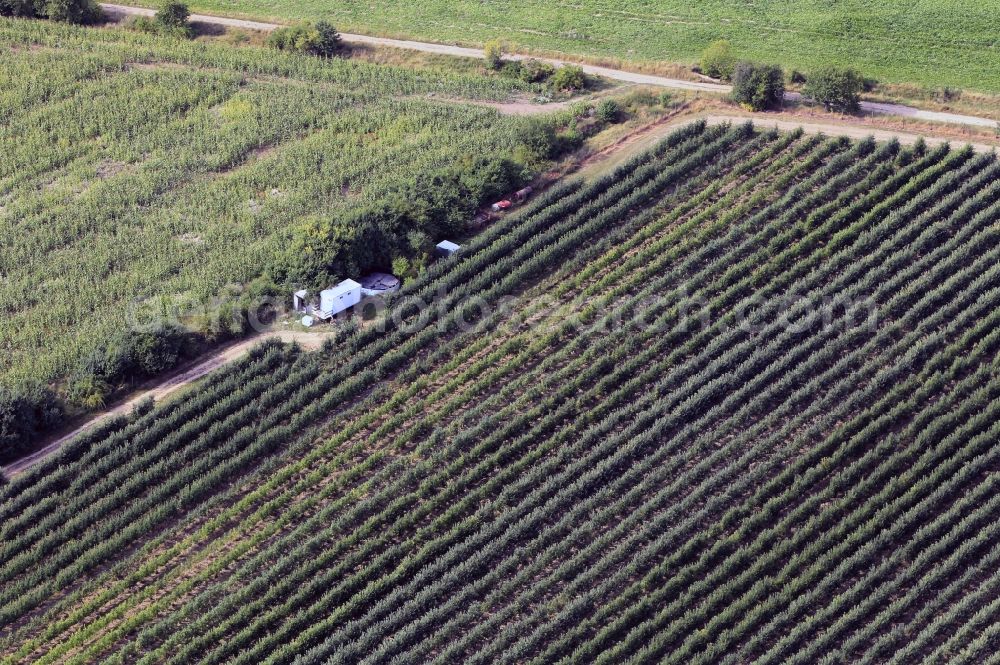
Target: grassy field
x=135, y=168
x=931, y=42
x=735, y=402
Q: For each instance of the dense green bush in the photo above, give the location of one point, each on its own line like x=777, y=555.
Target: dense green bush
x=402, y=224
x=569, y=78
x=127, y=357
x=319, y=38
x=529, y=71
x=172, y=18
x=145, y=24
x=68, y=11
x=718, y=60
x=511, y=69
x=608, y=110
x=71, y=11
x=836, y=89
x=536, y=71
x=405, y=223
x=759, y=87
x=24, y=8
x=25, y=413
x=542, y=139
x=493, y=52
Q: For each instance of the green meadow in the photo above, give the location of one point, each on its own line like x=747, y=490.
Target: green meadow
x=931, y=42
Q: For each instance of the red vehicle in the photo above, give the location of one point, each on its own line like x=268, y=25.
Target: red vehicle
x=501, y=205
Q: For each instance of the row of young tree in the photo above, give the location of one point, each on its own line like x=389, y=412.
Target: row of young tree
x=329, y=591
x=327, y=379
x=529, y=557
x=116, y=364
x=532, y=557
x=250, y=635
x=297, y=394
x=741, y=465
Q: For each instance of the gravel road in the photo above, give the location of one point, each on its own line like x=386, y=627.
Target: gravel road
x=606, y=72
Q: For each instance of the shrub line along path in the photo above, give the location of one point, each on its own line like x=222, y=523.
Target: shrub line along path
x=878, y=108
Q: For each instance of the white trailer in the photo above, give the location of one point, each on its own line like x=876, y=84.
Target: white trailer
x=335, y=300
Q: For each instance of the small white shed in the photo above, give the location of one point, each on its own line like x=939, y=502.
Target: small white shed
x=446, y=248
x=300, y=301
x=335, y=300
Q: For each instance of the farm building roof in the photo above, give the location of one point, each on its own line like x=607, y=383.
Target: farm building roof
x=447, y=245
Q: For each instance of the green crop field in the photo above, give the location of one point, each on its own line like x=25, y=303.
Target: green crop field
x=135, y=167
x=932, y=42
x=734, y=402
